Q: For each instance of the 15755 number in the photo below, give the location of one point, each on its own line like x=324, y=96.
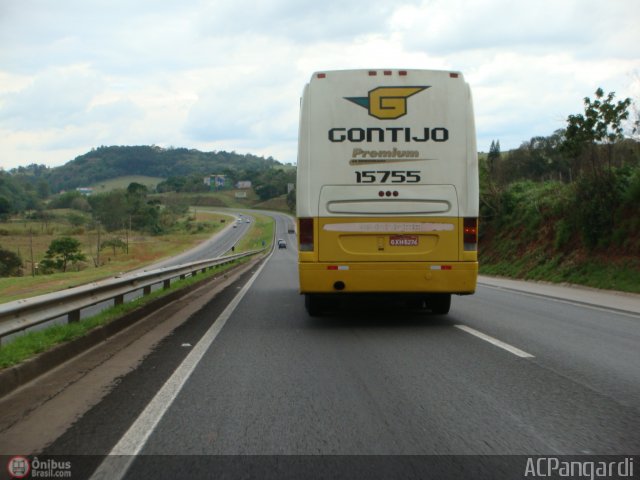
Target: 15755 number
x=388, y=176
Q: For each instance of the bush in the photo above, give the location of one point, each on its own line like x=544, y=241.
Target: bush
x=562, y=235
x=10, y=263
x=596, y=199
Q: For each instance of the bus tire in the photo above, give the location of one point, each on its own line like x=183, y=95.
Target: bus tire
x=439, y=303
x=313, y=304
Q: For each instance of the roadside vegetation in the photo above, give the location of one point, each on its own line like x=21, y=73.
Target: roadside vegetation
x=566, y=208
x=120, y=250
x=260, y=236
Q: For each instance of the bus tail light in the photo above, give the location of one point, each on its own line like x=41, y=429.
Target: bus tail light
x=305, y=227
x=470, y=228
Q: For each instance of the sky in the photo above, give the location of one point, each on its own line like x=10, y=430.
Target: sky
x=228, y=75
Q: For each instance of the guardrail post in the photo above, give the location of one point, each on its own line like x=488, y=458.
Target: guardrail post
x=166, y=284
x=119, y=300
x=74, y=316
x=146, y=290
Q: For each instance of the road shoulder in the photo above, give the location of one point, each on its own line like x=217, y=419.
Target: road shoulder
x=609, y=299
x=27, y=423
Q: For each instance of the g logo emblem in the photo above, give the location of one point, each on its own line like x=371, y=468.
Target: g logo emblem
x=387, y=103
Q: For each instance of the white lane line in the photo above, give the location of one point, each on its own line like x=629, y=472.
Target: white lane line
x=117, y=463
x=495, y=341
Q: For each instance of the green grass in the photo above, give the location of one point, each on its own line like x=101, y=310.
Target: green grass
x=123, y=183
x=33, y=343
x=540, y=231
x=592, y=273
x=260, y=234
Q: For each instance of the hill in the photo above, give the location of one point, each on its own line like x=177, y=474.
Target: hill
x=106, y=163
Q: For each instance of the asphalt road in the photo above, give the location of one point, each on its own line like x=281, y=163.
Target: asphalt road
x=370, y=390
x=216, y=246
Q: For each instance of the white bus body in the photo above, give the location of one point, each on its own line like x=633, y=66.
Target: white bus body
x=387, y=185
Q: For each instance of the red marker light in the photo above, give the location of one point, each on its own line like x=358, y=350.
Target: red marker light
x=306, y=236
x=470, y=233
x=322, y=75
x=372, y=73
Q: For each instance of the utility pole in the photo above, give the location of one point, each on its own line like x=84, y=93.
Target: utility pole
x=33, y=265
x=98, y=254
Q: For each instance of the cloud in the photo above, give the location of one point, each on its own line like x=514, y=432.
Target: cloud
x=249, y=110
x=54, y=97
x=301, y=22
x=66, y=96
x=214, y=74
x=584, y=26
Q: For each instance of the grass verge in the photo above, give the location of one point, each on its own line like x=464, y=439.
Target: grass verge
x=33, y=343
x=590, y=273
x=260, y=234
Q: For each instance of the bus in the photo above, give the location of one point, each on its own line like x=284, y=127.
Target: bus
x=387, y=192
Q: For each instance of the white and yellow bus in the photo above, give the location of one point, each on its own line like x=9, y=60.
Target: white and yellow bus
x=387, y=186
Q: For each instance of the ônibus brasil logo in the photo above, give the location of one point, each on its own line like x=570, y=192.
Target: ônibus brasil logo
x=387, y=103
x=18, y=467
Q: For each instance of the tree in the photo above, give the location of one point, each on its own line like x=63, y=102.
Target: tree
x=602, y=122
x=494, y=155
x=10, y=263
x=110, y=208
x=43, y=190
x=62, y=251
x=291, y=200
x=76, y=220
x=114, y=243
x=5, y=208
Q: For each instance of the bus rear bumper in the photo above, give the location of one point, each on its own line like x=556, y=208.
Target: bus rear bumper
x=388, y=277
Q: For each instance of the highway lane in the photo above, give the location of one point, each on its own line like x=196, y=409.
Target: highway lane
x=596, y=347
x=385, y=381
x=216, y=246
x=382, y=382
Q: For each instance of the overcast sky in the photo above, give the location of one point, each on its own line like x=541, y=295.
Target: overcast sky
x=227, y=75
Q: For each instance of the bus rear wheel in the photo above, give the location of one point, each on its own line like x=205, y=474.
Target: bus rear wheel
x=314, y=304
x=439, y=303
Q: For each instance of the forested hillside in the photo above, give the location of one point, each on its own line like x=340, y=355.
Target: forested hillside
x=110, y=162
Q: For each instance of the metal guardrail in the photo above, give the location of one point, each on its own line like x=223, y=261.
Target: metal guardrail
x=26, y=313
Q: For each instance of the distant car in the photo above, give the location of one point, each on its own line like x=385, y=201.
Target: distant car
x=291, y=230
x=282, y=244
x=247, y=221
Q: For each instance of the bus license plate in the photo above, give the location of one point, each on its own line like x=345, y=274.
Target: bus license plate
x=403, y=241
